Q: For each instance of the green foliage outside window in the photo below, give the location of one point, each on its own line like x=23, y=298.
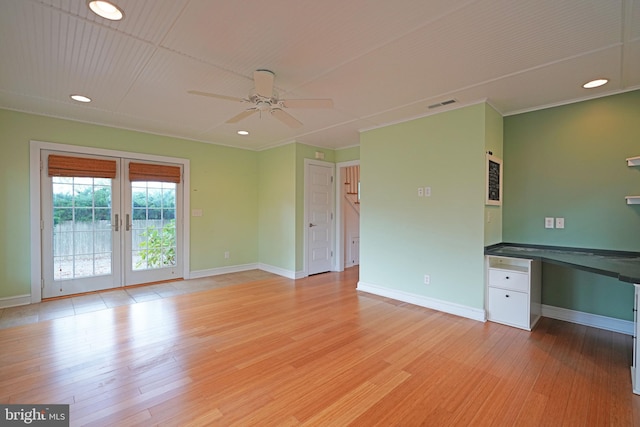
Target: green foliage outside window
x=159, y=248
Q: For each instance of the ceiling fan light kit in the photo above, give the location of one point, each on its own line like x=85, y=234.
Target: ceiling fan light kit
x=265, y=99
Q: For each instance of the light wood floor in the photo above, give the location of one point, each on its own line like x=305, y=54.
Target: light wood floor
x=314, y=352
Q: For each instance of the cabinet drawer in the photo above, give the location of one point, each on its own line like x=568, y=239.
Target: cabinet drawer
x=509, y=279
x=509, y=307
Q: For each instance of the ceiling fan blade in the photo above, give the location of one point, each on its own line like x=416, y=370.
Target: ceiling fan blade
x=286, y=118
x=307, y=103
x=263, y=80
x=243, y=115
x=214, y=95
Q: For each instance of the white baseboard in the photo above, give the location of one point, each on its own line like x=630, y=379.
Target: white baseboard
x=15, y=301
x=222, y=270
x=432, y=303
x=281, y=271
x=588, y=319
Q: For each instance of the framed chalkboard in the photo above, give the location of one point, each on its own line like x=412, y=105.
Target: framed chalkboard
x=494, y=181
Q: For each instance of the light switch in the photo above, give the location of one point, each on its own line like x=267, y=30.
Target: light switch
x=548, y=222
x=559, y=222
x=420, y=191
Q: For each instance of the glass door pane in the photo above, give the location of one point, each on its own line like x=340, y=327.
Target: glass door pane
x=82, y=241
x=153, y=225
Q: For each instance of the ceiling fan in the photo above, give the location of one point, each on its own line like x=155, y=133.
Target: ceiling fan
x=265, y=100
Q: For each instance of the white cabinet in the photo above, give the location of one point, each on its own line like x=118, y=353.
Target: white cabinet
x=513, y=291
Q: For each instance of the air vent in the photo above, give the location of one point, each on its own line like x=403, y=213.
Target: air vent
x=443, y=103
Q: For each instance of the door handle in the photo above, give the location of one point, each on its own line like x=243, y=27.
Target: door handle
x=117, y=223
x=127, y=224
x=312, y=225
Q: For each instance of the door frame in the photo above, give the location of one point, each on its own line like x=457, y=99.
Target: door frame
x=305, y=246
x=35, y=166
x=339, y=192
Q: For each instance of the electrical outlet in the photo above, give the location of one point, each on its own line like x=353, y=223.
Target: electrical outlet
x=226, y=255
x=427, y=191
x=559, y=222
x=427, y=279
x=548, y=222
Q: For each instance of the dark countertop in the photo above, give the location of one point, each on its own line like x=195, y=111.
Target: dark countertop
x=624, y=266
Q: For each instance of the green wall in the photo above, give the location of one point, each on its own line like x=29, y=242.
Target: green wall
x=569, y=162
x=403, y=236
x=348, y=154
x=223, y=185
x=252, y=202
x=277, y=217
x=493, y=143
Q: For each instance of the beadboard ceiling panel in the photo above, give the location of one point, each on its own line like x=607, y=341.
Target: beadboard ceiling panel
x=380, y=62
x=152, y=19
x=300, y=40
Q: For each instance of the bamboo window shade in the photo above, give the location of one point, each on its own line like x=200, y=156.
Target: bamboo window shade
x=69, y=166
x=154, y=172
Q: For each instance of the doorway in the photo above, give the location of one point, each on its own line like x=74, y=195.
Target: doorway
x=106, y=220
x=348, y=215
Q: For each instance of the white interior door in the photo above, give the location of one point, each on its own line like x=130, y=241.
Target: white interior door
x=319, y=207
x=102, y=233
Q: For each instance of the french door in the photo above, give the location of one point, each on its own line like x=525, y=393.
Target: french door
x=108, y=222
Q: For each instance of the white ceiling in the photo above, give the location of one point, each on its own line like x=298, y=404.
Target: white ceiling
x=380, y=61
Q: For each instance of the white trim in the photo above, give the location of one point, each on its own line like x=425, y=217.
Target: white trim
x=456, y=106
x=571, y=101
x=339, y=192
x=588, y=319
x=127, y=128
x=35, y=147
x=307, y=163
x=432, y=303
x=15, y=301
x=245, y=267
x=281, y=271
x=198, y=274
x=34, y=228
x=347, y=147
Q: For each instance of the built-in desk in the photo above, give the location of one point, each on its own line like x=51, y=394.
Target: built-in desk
x=625, y=266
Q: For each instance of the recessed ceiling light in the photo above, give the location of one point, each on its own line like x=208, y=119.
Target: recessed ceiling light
x=80, y=98
x=243, y=132
x=595, y=83
x=106, y=9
